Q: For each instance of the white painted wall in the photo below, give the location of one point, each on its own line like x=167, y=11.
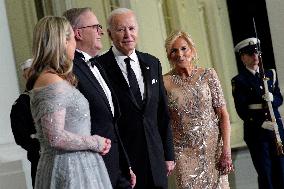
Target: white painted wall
x=14, y=168
x=275, y=10
x=8, y=78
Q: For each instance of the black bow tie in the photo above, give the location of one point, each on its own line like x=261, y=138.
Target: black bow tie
x=93, y=61
x=80, y=55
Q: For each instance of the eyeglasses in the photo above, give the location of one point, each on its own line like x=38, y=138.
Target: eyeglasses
x=98, y=27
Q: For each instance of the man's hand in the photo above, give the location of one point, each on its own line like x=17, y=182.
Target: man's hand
x=170, y=167
x=132, y=178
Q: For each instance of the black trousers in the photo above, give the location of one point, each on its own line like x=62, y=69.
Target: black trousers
x=268, y=164
x=33, y=157
x=33, y=171
x=146, y=180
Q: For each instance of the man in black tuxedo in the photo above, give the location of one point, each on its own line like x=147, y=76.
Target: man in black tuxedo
x=144, y=123
x=93, y=84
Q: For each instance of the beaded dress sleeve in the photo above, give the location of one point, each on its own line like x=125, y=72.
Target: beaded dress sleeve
x=51, y=111
x=217, y=95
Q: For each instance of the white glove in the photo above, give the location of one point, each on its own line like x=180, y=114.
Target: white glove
x=268, y=97
x=269, y=125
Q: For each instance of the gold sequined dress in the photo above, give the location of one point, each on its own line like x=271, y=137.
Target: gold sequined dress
x=197, y=137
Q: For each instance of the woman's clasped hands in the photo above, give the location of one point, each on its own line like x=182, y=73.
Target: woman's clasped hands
x=225, y=165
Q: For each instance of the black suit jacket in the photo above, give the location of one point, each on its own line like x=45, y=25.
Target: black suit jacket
x=102, y=121
x=22, y=125
x=145, y=131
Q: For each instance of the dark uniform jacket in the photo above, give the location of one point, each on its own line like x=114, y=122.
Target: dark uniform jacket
x=145, y=131
x=23, y=128
x=247, y=90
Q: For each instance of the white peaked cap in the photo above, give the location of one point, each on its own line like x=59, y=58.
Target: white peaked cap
x=246, y=42
x=26, y=64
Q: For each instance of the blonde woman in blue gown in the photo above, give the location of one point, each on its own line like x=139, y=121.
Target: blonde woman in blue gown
x=70, y=157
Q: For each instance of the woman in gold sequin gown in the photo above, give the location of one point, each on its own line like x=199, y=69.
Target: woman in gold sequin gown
x=200, y=121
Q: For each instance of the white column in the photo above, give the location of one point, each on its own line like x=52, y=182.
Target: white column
x=275, y=11
x=8, y=78
x=14, y=171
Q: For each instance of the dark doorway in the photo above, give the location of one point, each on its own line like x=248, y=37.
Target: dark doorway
x=241, y=13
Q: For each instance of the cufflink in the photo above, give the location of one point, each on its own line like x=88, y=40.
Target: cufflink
x=147, y=68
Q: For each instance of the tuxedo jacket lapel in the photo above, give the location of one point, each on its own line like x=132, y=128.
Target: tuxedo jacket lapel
x=82, y=65
x=145, y=68
x=114, y=98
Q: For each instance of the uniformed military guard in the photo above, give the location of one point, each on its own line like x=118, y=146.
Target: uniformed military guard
x=23, y=126
x=250, y=103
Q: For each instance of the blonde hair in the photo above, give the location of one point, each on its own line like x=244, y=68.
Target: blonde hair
x=49, y=49
x=173, y=37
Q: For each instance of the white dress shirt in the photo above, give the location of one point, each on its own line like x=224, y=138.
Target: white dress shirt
x=253, y=71
x=134, y=63
x=100, y=79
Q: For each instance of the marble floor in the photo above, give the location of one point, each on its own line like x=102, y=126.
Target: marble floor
x=244, y=176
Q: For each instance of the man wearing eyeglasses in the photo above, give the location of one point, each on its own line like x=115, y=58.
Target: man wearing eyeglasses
x=93, y=84
x=249, y=97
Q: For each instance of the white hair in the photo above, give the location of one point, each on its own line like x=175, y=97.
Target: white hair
x=116, y=12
